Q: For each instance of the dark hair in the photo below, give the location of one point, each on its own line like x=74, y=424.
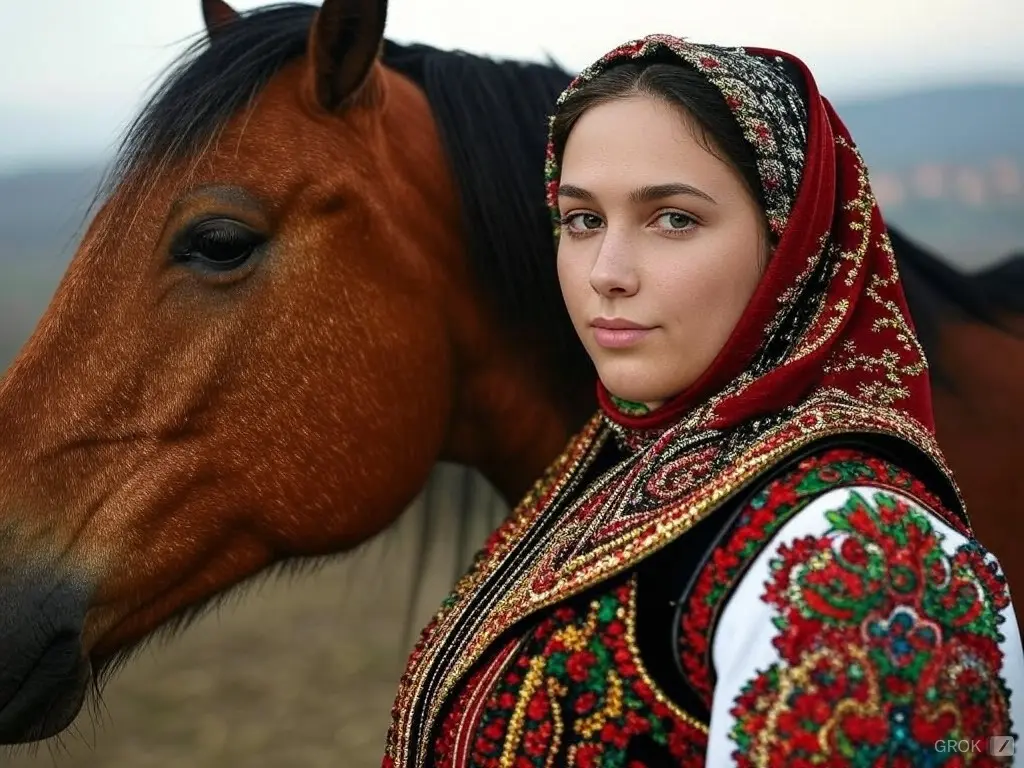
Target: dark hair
x=678, y=84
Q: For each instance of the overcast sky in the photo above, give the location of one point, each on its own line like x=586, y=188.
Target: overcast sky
x=72, y=72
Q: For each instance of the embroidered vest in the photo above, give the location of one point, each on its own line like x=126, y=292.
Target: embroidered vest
x=573, y=686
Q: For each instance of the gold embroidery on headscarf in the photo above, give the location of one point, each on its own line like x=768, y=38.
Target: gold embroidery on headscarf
x=894, y=366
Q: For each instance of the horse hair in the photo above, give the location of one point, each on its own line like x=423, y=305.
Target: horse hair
x=1001, y=283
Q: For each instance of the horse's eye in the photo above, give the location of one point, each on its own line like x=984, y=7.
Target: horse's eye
x=219, y=244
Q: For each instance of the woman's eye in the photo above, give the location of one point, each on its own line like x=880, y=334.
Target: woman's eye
x=675, y=220
x=583, y=222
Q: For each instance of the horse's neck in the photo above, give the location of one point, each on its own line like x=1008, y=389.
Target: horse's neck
x=508, y=426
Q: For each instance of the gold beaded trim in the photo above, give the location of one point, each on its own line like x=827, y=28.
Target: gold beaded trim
x=630, y=619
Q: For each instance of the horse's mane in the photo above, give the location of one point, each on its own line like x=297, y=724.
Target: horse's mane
x=1003, y=283
x=492, y=117
x=210, y=82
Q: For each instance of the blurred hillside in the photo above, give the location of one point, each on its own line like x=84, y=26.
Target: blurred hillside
x=948, y=166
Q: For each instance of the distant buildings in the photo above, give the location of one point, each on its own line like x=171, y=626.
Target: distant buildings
x=1001, y=179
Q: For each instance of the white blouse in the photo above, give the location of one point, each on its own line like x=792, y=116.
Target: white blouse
x=866, y=629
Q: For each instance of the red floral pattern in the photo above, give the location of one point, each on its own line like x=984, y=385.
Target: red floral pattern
x=888, y=645
x=575, y=695
x=766, y=513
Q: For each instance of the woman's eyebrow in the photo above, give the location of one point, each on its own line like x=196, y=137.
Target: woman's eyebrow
x=650, y=193
x=644, y=194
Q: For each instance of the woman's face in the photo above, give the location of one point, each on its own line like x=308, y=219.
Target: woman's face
x=662, y=246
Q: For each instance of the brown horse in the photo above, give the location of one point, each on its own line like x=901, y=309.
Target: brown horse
x=316, y=273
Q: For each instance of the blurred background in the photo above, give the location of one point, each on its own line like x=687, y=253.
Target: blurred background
x=301, y=671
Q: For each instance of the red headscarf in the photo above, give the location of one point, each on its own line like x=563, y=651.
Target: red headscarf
x=828, y=322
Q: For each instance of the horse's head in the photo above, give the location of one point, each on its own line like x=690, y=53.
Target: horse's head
x=250, y=357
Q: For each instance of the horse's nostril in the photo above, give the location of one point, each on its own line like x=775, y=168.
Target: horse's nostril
x=54, y=661
x=43, y=672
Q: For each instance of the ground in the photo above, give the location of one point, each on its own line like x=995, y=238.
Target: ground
x=299, y=672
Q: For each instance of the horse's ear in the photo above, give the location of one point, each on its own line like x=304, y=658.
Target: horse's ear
x=345, y=41
x=218, y=15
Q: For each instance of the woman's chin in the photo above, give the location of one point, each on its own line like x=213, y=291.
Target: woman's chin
x=635, y=383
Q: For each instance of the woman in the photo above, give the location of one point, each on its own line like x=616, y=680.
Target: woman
x=755, y=553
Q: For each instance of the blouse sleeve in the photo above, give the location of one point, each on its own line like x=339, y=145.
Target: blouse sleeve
x=867, y=632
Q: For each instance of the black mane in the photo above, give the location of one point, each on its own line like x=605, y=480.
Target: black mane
x=1003, y=283
x=492, y=117
x=212, y=81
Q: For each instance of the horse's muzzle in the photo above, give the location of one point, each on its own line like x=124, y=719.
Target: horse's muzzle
x=43, y=674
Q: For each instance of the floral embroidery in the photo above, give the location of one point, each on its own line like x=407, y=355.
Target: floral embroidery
x=575, y=696
x=767, y=512
x=888, y=644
